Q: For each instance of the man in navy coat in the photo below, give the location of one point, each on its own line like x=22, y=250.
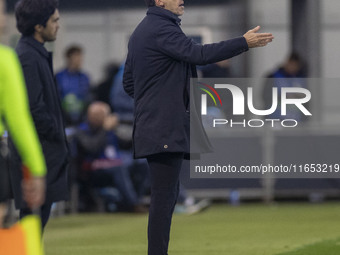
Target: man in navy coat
x=161, y=60
x=38, y=22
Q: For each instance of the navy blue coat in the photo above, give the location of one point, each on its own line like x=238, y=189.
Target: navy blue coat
x=161, y=60
x=46, y=112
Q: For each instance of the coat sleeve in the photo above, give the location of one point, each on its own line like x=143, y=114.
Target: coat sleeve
x=128, y=77
x=174, y=43
x=43, y=119
x=18, y=117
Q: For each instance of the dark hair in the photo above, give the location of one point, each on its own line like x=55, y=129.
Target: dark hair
x=29, y=13
x=150, y=3
x=294, y=56
x=74, y=49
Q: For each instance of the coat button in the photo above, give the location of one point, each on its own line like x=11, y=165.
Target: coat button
x=166, y=146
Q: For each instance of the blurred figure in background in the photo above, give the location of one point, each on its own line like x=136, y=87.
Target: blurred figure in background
x=121, y=102
x=138, y=168
x=216, y=70
x=100, y=160
x=38, y=22
x=291, y=74
x=74, y=86
x=102, y=91
x=123, y=106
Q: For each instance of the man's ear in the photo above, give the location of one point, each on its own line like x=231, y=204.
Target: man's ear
x=159, y=3
x=38, y=28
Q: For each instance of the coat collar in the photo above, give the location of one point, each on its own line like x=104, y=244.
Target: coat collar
x=164, y=13
x=36, y=45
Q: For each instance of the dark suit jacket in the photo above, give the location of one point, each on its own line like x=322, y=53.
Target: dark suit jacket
x=47, y=116
x=158, y=69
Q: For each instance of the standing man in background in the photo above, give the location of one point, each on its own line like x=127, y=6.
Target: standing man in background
x=292, y=73
x=74, y=86
x=38, y=22
x=161, y=60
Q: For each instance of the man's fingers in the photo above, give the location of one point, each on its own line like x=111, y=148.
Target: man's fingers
x=265, y=43
x=256, y=29
x=266, y=40
x=262, y=35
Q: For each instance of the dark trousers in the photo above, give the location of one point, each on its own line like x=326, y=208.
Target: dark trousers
x=164, y=176
x=4, y=180
x=44, y=213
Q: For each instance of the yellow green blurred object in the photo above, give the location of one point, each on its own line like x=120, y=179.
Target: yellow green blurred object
x=24, y=238
x=14, y=109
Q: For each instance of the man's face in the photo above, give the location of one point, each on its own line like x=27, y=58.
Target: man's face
x=49, y=32
x=96, y=115
x=75, y=61
x=292, y=67
x=175, y=6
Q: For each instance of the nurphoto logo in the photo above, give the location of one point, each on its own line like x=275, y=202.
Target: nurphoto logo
x=282, y=98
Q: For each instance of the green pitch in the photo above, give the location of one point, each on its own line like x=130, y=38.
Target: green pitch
x=282, y=229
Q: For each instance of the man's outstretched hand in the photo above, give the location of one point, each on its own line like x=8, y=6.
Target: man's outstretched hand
x=255, y=39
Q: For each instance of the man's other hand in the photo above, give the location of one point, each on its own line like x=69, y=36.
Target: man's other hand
x=111, y=122
x=34, y=191
x=255, y=39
